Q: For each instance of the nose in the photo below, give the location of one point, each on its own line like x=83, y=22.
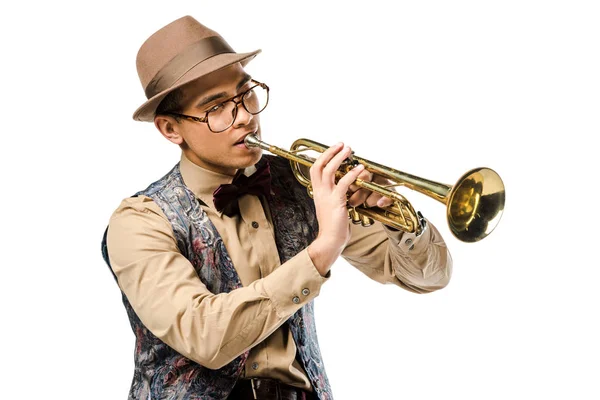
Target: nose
x=243, y=117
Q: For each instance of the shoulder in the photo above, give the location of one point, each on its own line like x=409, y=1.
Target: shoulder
x=140, y=203
x=138, y=221
x=137, y=209
x=137, y=230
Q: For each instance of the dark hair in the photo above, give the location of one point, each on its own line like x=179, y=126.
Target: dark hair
x=171, y=103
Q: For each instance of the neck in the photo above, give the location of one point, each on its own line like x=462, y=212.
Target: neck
x=220, y=169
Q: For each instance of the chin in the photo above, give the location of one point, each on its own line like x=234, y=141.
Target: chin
x=250, y=159
x=256, y=156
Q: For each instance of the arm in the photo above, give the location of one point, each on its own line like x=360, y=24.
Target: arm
x=388, y=256
x=420, y=264
x=173, y=303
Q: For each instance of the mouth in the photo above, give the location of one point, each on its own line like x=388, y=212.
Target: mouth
x=241, y=139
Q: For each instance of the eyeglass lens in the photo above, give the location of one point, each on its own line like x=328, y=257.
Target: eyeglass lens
x=223, y=116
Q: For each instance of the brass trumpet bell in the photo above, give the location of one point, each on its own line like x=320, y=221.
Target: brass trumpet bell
x=475, y=204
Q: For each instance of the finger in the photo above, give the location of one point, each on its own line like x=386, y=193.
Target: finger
x=335, y=163
x=349, y=178
x=359, y=197
x=375, y=199
x=384, y=202
x=316, y=171
x=366, y=176
x=327, y=155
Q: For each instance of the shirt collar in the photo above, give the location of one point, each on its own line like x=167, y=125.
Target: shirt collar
x=203, y=182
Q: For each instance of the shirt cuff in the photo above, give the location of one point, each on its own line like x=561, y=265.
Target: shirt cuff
x=410, y=243
x=293, y=284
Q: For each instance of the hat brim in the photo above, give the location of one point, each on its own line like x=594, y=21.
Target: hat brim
x=147, y=110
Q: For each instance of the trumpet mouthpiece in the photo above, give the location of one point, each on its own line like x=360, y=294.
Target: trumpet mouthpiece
x=251, y=141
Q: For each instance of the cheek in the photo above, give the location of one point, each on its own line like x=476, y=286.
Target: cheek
x=198, y=139
x=208, y=146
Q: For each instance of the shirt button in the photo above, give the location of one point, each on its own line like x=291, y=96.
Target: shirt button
x=296, y=299
x=255, y=224
x=255, y=366
x=305, y=291
x=408, y=242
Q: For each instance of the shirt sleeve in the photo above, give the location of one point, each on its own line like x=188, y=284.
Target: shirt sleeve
x=420, y=264
x=173, y=303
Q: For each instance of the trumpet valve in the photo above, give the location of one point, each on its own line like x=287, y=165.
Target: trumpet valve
x=359, y=219
x=354, y=216
x=366, y=221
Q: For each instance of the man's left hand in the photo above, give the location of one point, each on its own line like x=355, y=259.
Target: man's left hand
x=359, y=196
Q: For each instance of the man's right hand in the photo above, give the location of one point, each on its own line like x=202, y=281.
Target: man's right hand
x=331, y=206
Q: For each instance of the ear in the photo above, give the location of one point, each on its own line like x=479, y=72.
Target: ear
x=169, y=128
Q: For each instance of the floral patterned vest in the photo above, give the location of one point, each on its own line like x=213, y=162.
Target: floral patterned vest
x=163, y=373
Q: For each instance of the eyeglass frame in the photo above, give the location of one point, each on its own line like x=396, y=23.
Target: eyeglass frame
x=237, y=103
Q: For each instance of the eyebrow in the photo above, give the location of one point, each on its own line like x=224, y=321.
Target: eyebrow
x=217, y=96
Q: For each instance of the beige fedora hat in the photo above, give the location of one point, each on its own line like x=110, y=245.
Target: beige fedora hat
x=177, y=54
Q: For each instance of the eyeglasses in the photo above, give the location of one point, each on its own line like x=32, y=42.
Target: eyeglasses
x=222, y=116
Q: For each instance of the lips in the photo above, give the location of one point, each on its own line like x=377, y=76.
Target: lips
x=241, y=140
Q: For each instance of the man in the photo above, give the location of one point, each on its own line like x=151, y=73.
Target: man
x=219, y=288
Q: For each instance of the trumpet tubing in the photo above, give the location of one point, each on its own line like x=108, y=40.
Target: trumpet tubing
x=474, y=205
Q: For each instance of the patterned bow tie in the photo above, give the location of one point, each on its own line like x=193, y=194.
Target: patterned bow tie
x=256, y=184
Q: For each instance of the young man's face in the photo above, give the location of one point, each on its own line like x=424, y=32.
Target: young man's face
x=220, y=152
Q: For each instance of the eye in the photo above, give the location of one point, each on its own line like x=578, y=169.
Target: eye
x=215, y=108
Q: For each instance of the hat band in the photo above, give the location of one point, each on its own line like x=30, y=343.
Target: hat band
x=179, y=65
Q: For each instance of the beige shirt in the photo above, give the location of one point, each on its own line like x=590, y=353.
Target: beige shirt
x=213, y=329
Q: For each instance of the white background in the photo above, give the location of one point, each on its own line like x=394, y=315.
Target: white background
x=433, y=88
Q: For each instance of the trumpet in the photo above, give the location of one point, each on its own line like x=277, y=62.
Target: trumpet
x=474, y=205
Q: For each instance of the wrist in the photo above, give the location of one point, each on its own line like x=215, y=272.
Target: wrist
x=323, y=255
